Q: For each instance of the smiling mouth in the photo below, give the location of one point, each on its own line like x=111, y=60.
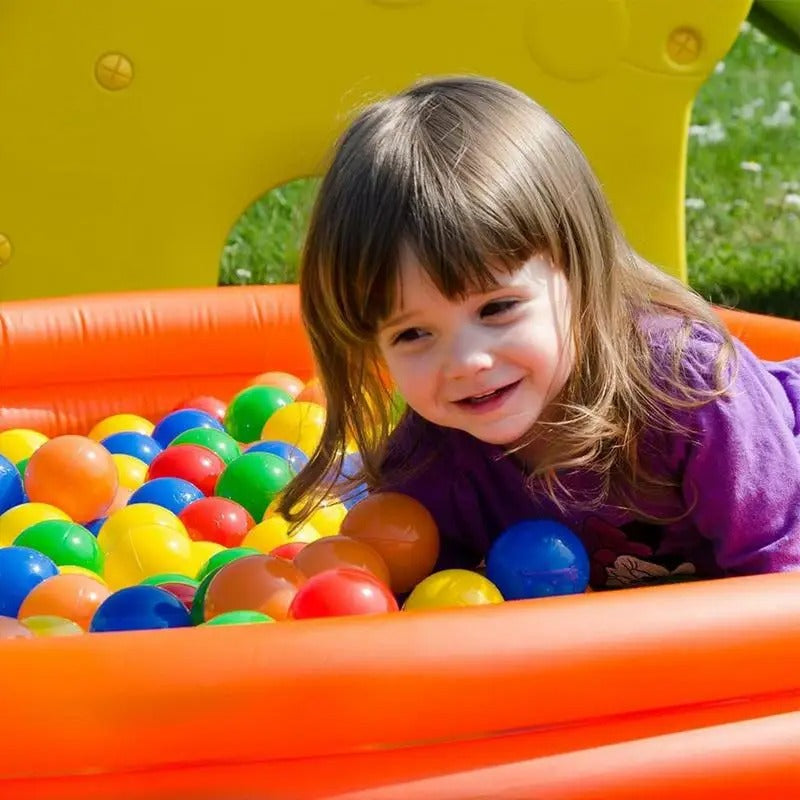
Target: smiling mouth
x=478, y=400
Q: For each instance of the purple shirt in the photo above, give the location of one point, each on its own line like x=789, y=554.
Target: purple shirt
x=738, y=476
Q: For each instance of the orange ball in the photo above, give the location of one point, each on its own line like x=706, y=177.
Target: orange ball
x=280, y=380
x=253, y=583
x=331, y=552
x=73, y=597
x=312, y=393
x=403, y=532
x=74, y=474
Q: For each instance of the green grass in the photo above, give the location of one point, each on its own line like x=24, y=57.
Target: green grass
x=743, y=225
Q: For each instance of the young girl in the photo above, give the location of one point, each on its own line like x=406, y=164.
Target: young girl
x=461, y=250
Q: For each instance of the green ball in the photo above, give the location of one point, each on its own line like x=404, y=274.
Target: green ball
x=22, y=466
x=197, y=612
x=239, y=618
x=219, y=560
x=169, y=577
x=216, y=441
x=65, y=542
x=253, y=480
x=251, y=408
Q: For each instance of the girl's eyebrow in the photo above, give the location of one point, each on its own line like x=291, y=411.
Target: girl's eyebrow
x=397, y=319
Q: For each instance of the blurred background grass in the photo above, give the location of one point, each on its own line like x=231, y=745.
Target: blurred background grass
x=742, y=193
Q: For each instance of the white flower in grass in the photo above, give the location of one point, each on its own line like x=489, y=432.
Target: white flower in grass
x=739, y=203
x=792, y=200
x=786, y=89
x=745, y=27
x=242, y=272
x=695, y=203
x=750, y=166
x=719, y=68
x=748, y=110
x=790, y=186
x=708, y=134
x=782, y=118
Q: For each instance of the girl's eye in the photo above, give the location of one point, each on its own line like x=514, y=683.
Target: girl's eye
x=496, y=307
x=408, y=335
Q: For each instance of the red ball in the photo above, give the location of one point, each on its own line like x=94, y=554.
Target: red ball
x=339, y=592
x=211, y=405
x=216, y=519
x=193, y=463
x=288, y=550
x=185, y=592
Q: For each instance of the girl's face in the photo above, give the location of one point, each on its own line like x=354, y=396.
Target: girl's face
x=489, y=364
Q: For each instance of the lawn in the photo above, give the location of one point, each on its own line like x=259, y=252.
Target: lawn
x=742, y=195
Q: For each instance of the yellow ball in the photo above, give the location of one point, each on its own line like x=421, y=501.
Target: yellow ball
x=298, y=424
x=72, y=569
x=327, y=519
x=200, y=553
x=18, y=444
x=131, y=470
x=452, y=588
x=129, y=518
x=274, y=531
x=51, y=625
x=20, y=517
x=118, y=423
x=145, y=551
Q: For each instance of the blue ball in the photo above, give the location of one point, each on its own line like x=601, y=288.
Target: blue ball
x=176, y=422
x=140, y=608
x=538, y=558
x=12, y=492
x=172, y=493
x=94, y=526
x=297, y=458
x=21, y=568
x=133, y=443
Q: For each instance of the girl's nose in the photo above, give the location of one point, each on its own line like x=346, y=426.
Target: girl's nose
x=468, y=355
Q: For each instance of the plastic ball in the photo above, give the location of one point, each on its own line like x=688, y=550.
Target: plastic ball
x=72, y=597
x=177, y=422
x=19, y=444
x=12, y=492
x=297, y=458
x=251, y=408
x=131, y=471
x=219, y=560
x=51, y=625
x=190, y=462
x=274, y=531
x=65, y=542
x=119, y=423
x=72, y=569
x=290, y=384
x=288, y=550
x=145, y=551
x=21, y=568
x=132, y=443
x=253, y=480
x=200, y=552
x=183, y=591
x=341, y=592
x=538, y=558
x=75, y=474
x=326, y=518
x=21, y=467
x=217, y=519
x=170, y=577
x=312, y=392
x=133, y=516
x=253, y=583
x=298, y=424
x=11, y=628
x=204, y=402
x=452, y=588
x=140, y=608
x=218, y=442
x=238, y=618
x=174, y=494
x=402, y=530
x=18, y=518
x=340, y=551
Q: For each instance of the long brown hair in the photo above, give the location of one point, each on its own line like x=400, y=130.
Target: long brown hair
x=472, y=174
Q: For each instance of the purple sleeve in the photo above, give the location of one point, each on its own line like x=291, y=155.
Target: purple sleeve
x=741, y=469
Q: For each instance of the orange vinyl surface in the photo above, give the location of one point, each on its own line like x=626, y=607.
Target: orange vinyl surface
x=690, y=691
